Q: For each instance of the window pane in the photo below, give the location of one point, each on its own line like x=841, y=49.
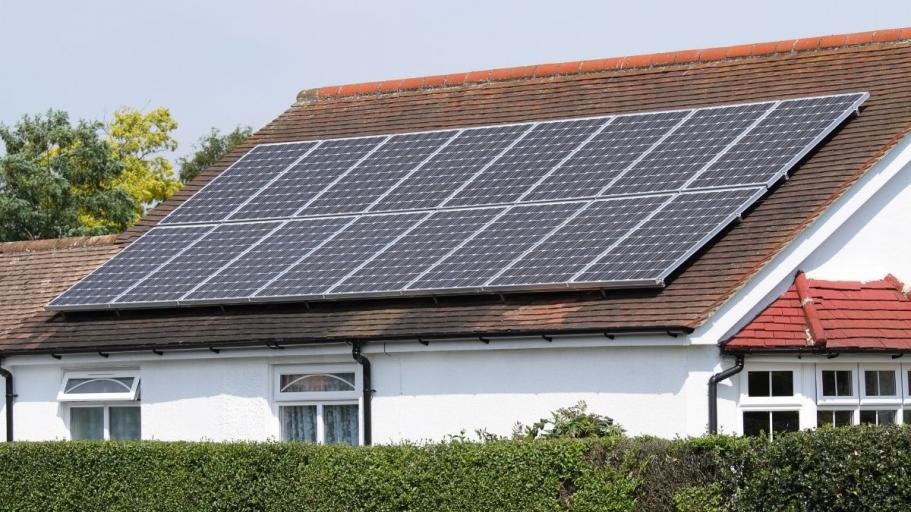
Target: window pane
x=340, y=424
x=825, y=419
x=886, y=383
x=885, y=417
x=828, y=383
x=298, y=423
x=844, y=385
x=871, y=384
x=758, y=383
x=124, y=423
x=755, y=423
x=782, y=383
x=785, y=421
x=87, y=423
x=303, y=383
x=868, y=417
x=99, y=385
x=844, y=418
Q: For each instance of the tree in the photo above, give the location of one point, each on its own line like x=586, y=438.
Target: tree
x=137, y=140
x=209, y=149
x=55, y=175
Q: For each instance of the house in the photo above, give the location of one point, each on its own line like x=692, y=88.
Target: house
x=790, y=317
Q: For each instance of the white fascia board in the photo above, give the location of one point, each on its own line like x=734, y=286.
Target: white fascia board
x=342, y=351
x=778, y=274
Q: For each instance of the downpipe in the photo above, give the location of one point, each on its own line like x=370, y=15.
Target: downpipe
x=10, y=398
x=368, y=390
x=713, y=391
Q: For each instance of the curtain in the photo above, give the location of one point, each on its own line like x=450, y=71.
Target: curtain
x=87, y=423
x=299, y=423
x=125, y=423
x=340, y=423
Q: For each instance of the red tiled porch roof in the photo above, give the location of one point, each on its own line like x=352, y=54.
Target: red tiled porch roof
x=831, y=316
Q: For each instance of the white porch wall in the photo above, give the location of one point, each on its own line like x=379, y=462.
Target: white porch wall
x=874, y=242
x=418, y=395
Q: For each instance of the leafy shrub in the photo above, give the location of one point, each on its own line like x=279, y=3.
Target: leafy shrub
x=569, y=423
x=842, y=469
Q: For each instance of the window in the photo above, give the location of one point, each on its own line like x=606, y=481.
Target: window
x=319, y=404
x=878, y=417
x=97, y=386
x=879, y=383
x=837, y=383
x=757, y=423
x=770, y=383
x=92, y=415
x=834, y=418
x=94, y=423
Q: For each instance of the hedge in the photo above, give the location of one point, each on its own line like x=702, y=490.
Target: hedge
x=857, y=468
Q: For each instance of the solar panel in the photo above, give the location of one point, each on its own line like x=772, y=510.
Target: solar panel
x=179, y=275
x=125, y=269
x=266, y=260
x=609, y=153
x=787, y=134
x=236, y=184
x=609, y=201
x=656, y=247
x=581, y=240
x=532, y=156
x=494, y=246
x=367, y=181
x=690, y=147
x=451, y=168
x=325, y=266
x=404, y=260
x=301, y=183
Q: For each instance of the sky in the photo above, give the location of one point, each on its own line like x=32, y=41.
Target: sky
x=228, y=62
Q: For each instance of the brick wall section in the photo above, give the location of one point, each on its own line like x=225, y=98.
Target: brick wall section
x=879, y=63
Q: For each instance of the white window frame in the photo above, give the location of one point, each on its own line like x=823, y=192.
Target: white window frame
x=905, y=382
x=126, y=396
x=106, y=414
x=770, y=409
x=855, y=414
x=825, y=401
x=877, y=400
x=770, y=402
x=319, y=398
x=317, y=369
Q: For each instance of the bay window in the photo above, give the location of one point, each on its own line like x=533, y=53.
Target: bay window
x=319, y=404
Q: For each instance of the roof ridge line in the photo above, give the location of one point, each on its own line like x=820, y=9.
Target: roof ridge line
x=609, y=64
x=808, y=304
x=57, y=243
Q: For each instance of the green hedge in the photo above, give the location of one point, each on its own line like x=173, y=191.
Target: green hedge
x=859, y=468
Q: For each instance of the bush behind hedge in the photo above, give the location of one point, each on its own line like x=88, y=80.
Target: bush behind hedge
x=858, y=468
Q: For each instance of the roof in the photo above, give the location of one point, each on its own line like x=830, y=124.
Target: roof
x=831, y=316
x=33, y=272
x=877, y=62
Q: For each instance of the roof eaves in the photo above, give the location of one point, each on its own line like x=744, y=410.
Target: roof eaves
x=698, y=56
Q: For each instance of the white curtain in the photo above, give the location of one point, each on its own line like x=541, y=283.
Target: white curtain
x=299, y=423
x=340, y=423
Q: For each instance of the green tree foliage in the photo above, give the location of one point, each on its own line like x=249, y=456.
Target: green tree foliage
x=55, y=175
x=63, y=179
x=209, y=149
x=138, y=141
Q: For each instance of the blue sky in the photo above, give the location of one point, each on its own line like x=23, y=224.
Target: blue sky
x=232, y=62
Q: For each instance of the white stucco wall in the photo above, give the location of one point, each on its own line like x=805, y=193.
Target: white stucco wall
x=874, y=242
x=419, y=395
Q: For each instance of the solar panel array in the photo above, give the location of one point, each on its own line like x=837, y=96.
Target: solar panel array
x=612, y=201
